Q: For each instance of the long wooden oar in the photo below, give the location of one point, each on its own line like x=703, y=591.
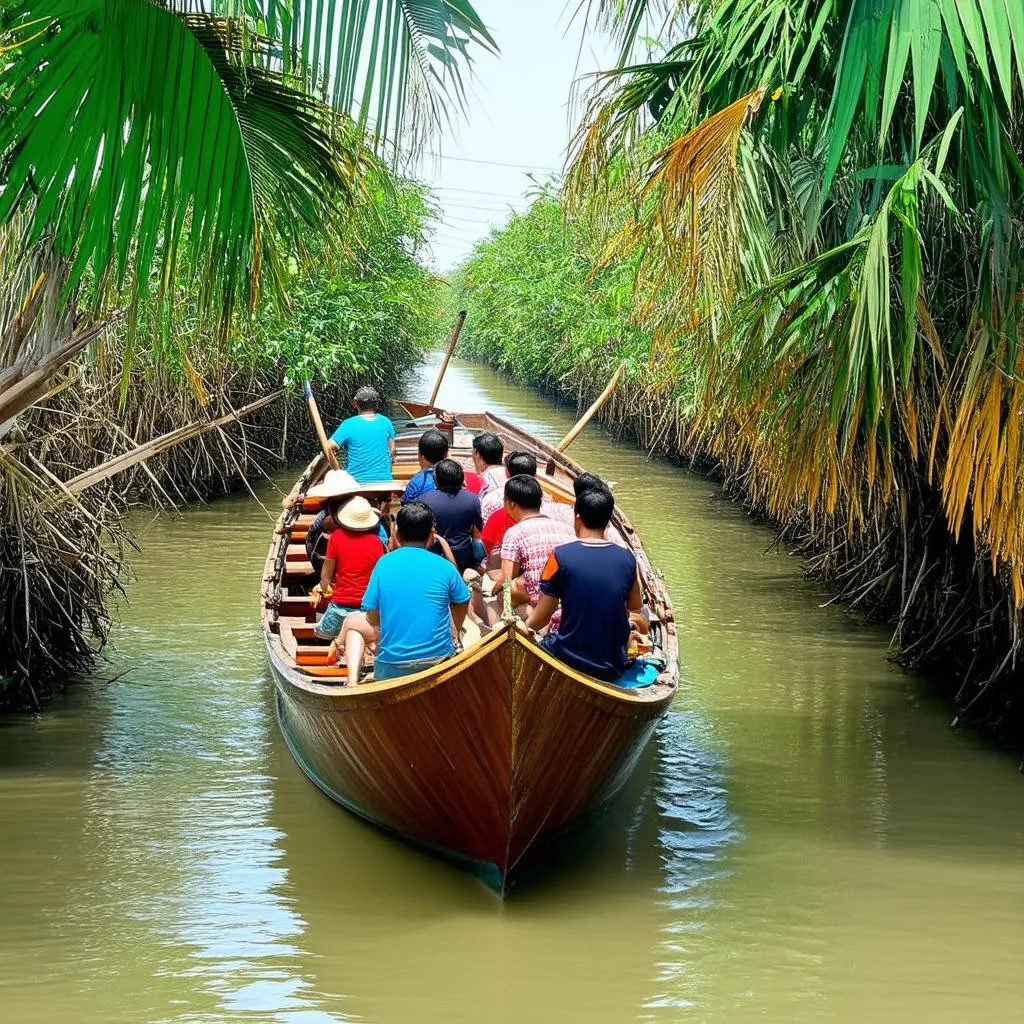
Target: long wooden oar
x=452, y=342
x=592, y=411
x=314, y=413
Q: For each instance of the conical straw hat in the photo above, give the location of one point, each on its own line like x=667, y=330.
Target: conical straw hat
x=336, y=484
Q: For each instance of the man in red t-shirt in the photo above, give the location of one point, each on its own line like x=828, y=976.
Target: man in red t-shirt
x=353, y=549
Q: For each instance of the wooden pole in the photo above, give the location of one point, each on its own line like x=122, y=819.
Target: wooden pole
x=142, y=452
x=592, y=411
x=314, y=412
x=452, y=342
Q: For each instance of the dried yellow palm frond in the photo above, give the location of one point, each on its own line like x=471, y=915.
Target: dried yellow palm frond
x=688, y=225
x=983, y=473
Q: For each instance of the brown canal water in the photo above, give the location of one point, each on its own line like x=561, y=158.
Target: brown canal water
x=806, y=840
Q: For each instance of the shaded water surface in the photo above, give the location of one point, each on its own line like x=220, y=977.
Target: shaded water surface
x=805, y=839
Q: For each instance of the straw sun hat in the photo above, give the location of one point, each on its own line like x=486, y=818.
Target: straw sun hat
x=357, y=514
x=335, y=484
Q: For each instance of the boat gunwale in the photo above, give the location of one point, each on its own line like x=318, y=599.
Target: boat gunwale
x=360, y=697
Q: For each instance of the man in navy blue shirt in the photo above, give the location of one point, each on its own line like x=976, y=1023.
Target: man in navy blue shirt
x=456, y=512
x=433, y=447
x=597, y=585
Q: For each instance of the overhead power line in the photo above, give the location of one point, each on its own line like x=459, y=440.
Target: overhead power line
x=495, y=163
x=476, y=192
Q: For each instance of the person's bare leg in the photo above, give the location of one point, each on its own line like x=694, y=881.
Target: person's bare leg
x=355, y=645
x=355, y=635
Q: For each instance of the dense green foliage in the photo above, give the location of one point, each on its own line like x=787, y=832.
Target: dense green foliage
x=822, y=206
x=151, y=140
x=353, y=314
x=540, y=310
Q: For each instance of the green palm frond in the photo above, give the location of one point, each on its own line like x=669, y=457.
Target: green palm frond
x=392, y=63
x=628, y=20
x=140, y=139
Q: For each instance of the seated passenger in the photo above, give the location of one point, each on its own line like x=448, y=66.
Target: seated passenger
x=412, y=600
x=596, y=586
x=433, y=447
x=335, y=484
x=488, y=452
x=584, y=482
x=532, y=537
x=497, y=520
x=456, y=513
x=367, y=438
x=353, y=549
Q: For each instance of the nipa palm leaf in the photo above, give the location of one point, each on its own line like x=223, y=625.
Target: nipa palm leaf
x=136, y=136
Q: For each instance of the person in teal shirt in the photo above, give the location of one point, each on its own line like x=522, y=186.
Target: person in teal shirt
x=411, y=602
x=367, y=438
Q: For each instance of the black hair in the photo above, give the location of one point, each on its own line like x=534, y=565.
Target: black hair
x=588, y=481
x=367, y=398
x=594, y=506
x=448, y=476
x=414, y=521
x=521, y=464
x=489, y=447
x=334, y=506
x=524, y=491
x=433, y=445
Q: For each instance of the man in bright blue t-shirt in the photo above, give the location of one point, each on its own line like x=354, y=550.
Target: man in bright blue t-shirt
x=368, y=439
x=410, y=603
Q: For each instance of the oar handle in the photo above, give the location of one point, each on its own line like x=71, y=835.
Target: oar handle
x=314, y=412
x=592, y=411
x=452, y=342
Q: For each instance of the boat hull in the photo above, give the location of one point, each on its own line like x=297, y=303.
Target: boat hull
x=481, y=761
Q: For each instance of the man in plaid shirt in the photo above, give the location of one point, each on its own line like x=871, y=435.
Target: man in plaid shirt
x=528, y=542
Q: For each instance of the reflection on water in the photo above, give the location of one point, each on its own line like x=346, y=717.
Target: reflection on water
x=803, y=840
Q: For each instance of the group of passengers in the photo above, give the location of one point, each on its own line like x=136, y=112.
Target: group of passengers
x=457, y=539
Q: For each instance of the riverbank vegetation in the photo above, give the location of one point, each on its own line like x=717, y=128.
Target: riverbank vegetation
x=801, y=227
x=197, y=211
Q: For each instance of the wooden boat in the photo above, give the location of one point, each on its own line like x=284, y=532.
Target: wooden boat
x=481, y=759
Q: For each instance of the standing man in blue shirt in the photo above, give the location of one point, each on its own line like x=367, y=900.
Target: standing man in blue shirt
x=433, y=447
x=368, y=439
x=411, y=603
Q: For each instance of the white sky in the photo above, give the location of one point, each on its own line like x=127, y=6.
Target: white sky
x=517, y=118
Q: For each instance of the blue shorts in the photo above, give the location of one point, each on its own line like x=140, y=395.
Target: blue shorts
x=331, y=621
x=393, y=669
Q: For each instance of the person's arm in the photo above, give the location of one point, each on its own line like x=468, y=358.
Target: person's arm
x=373, y=617
x=446, y=549
x=458, y=599
x=540, y=616
x=459, y=616
x=412, y=490
x=476, y=531
x=327, y=576
x=392, y=448
x=635, y=601
x=339, y=438
x=509, y=569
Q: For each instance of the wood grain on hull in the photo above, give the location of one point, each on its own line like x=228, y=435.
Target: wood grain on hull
x=482, y=761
